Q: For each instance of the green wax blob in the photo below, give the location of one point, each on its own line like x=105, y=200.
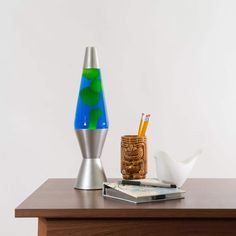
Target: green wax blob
x=89, y=97
x=96, y=85
x=93, y=117
x=91, y=73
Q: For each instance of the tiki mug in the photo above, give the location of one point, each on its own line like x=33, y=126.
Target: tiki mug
x=133, y=157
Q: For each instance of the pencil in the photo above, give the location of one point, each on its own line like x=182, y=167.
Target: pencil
x=140, y=125
x=145, y=125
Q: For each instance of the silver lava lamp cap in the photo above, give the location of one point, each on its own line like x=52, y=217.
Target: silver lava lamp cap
x=91, y=58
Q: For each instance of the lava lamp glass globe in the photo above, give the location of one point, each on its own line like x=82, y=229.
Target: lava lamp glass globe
x=91, y=109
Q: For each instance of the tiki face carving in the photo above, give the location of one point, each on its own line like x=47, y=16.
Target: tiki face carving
x=133, y=159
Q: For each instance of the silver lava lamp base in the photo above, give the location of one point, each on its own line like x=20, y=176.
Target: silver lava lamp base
x=91, y=174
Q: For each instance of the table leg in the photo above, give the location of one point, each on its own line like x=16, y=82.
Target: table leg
x=42, y=227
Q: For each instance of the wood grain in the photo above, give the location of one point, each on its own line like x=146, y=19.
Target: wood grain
x=42, y=227
x=56, y=198
x=136, y=227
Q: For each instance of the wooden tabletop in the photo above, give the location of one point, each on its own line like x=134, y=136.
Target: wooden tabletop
x=204, y=198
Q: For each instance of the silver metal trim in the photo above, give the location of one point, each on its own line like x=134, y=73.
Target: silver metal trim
x=91, y=58
x=91, y=141
x=91, y=175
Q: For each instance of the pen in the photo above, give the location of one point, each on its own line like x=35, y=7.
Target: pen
x=139, y=183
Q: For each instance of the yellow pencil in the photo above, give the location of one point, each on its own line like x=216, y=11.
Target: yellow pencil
x=140, y=125
x=145, y=125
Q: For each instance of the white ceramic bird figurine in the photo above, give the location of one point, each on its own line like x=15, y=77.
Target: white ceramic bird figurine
x=172, y=171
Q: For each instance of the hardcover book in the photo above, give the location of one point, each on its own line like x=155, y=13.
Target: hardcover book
x=140, y=194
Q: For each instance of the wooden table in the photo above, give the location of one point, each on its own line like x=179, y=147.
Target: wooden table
x=209, y=208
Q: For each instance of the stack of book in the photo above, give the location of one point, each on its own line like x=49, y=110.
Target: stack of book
x=141, y=191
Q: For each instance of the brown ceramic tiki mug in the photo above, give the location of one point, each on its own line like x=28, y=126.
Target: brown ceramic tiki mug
x=133, y=157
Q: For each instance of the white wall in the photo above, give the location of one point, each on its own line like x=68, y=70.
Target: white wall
x=174, y=59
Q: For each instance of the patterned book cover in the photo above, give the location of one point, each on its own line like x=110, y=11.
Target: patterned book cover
x=144, y=191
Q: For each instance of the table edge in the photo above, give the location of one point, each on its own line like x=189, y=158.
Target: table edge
x=127, y=213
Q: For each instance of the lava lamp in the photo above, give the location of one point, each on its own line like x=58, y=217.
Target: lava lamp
x=91, y=123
